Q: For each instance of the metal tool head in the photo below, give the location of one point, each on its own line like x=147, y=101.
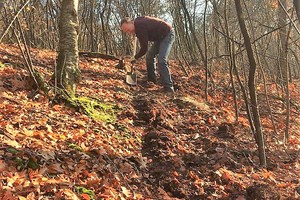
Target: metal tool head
x=131, y=77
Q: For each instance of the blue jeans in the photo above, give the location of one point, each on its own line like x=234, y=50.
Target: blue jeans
x=162, y=48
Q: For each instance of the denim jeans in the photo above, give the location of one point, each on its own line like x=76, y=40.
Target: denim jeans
x=161, y=48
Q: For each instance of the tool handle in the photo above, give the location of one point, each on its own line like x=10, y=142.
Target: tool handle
x=134, y=46
x=132, y=68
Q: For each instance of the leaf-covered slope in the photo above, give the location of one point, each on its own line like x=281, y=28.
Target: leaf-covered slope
x=152, y=146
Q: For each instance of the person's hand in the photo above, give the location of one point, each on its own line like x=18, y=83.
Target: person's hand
x=133, y=61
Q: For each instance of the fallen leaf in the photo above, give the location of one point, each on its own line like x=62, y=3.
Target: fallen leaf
x=283, y=185
x=255, y=176
x=56, y=107
x=125, y=191
x=3, y=166
x=126, y=168
x=85, y=196
x=31, y=196
x=12, y=143
x=22, y=198
x=55, y=169
x=8, y=196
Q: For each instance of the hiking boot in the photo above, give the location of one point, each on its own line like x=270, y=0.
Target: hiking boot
x=150, y=84
x=169, y=90
x=154, y=81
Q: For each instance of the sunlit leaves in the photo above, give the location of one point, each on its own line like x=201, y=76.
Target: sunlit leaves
x=162, y=149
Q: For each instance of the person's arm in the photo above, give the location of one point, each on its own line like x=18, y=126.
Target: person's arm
x=143, y=40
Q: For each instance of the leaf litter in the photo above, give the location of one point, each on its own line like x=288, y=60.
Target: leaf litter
x=157, y=147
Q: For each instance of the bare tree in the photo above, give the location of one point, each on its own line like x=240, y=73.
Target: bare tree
x=282, y=18
x=251, y=84
x=68, y=72
x=297, y=7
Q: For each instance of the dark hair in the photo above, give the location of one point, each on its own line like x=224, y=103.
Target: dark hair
x=125, y=20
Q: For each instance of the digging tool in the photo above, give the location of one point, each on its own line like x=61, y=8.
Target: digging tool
x=131, y=77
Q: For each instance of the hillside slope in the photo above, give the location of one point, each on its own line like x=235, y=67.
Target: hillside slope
x=147, y=146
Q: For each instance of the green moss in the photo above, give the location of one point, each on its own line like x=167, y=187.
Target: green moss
x=82, y=190
x=20, y=164
x=76, y=147
x=24, y=163
x=97, y=110
x=32, y=163
x=12, y=150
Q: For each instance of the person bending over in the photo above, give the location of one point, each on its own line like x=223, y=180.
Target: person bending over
x=162, y=35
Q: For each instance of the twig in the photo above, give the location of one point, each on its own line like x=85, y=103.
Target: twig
x=5, y=134
x=11, y=23
x=117, y=169
x=287, y=14
x=248, y=159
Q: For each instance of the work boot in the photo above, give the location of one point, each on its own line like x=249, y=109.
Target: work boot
x=150, y=84
x=169, y=90
x=152, y=80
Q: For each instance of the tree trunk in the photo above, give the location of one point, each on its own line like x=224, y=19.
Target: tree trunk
x=104, y=32
x=192, y=29
x=92, y=32
x=297, y=7
x=282, y=18
x=251, y=85
x=68, y=72
x=205, y=51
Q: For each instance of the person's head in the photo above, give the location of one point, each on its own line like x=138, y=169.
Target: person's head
x=127, y=25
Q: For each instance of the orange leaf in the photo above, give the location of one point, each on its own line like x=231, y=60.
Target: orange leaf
x=255, y=176
x=266, y=173
x=8, y=196
x=56, y=107
x=175, y=174
x=227, y=175
x=85, y=196
x=294, y=140
x=283, y=185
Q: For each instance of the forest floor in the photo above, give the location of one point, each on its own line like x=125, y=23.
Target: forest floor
x=148, y=145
